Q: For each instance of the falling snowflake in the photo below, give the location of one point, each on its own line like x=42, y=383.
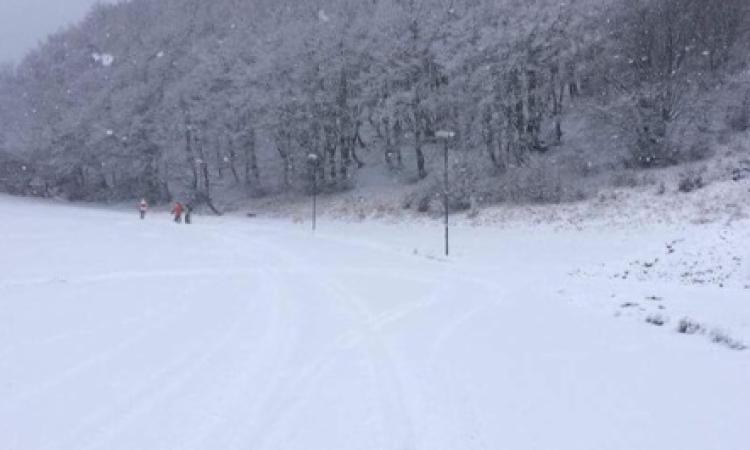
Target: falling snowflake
x=105, y=59
x=323, y=16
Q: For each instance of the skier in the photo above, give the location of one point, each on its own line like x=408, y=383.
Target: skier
x=188, y=213
x=143, y=208
x=177, y=211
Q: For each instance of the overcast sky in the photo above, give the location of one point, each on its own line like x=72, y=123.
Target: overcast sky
x=24, y=23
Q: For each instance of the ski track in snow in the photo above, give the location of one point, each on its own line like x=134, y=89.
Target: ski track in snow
x=233, y=334
x=72, y=372
x=170, y=381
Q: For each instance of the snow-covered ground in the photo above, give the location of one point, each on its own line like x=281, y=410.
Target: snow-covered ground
x=238, y=333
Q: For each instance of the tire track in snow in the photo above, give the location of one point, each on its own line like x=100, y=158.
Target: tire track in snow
x=374, y=324
x=231, y=404
x=470, y=431
x=276, y=386
x=252, y=430
x=285, y=405
x=397, y=423
x=273, y=351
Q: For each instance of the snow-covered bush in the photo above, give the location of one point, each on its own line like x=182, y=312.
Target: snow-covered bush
x=689, y=326
x=690, y=181
x=719, y=336
x=656, y=319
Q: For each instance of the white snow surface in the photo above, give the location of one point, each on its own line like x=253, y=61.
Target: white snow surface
x=234, y=333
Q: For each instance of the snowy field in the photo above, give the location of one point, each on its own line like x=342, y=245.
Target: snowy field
x=254, y=334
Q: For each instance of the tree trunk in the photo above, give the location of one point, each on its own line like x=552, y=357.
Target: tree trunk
x=285, y=160
x=219, y=164
x=420, y=154
x=346, y=157
x=232, y=159
x=357, y=140
x=489, y=139
x=398, y=133
x=191, y=158
x=251, y=160
x=389, y=153
x=330, y=149
x=206, y=175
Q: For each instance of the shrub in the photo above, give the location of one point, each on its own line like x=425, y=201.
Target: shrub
x=690, y=182
x=717, y=336
x=626, y=179
x=738, y=116
x=656, y=320
x=722, y=338
x=697, y=151
x=688, y=326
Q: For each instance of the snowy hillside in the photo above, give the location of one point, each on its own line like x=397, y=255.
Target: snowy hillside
x=225, y=101
x=256, y=334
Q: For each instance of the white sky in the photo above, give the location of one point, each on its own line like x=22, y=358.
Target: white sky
x=25, y=23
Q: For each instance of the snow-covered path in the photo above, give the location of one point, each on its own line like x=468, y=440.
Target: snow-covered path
x=239, y=334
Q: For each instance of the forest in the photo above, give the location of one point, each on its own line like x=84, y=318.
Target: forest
x=228, y=99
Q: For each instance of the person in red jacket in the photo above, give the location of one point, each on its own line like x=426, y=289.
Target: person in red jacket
x=143, y=208
x=177, y=211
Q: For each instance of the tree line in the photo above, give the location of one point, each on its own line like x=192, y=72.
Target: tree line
x=166, y=98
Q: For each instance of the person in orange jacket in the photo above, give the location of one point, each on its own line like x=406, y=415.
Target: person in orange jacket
x=143, y=208
x=177, y=211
